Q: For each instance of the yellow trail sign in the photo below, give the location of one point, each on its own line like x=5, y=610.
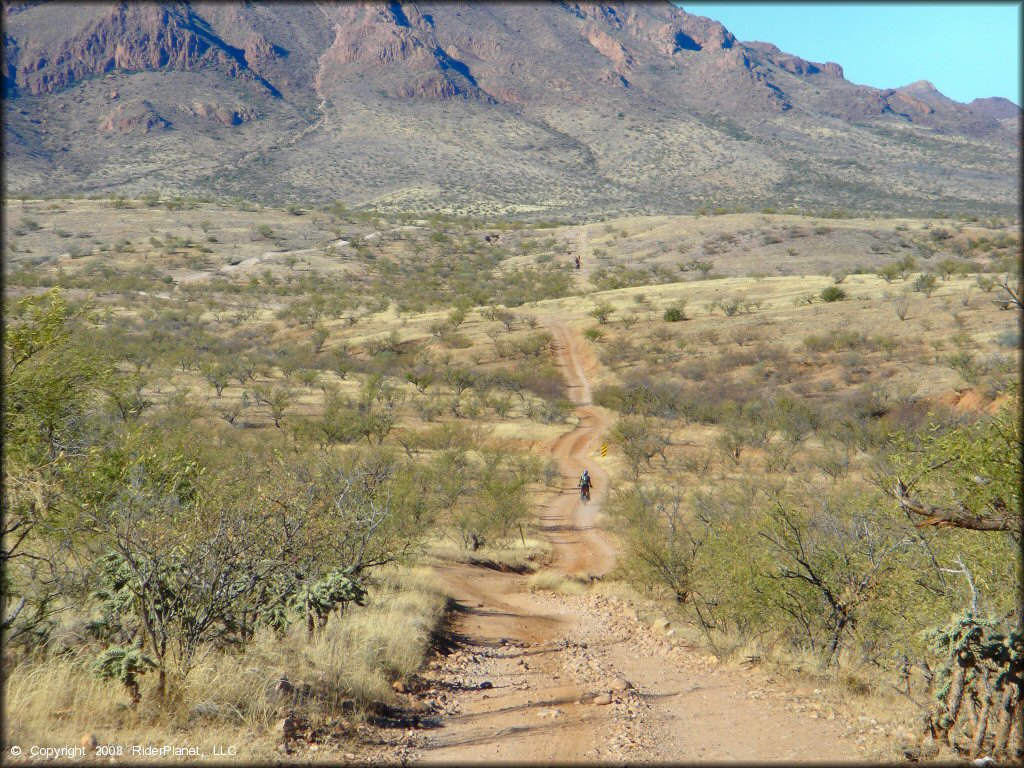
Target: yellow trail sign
x=604, y=450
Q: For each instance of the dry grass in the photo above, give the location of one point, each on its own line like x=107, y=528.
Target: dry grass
x=229, y=698
x=521, y=555
x=555, y=581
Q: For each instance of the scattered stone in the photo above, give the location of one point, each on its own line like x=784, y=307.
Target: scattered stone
x=399, y=687
x=486, y=684
x=602, y=699
x=88, y=742
x=621, y=684
x=285, y=728
x=283, y=688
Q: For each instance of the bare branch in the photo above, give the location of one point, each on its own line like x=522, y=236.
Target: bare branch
x=1015, y=293
x=958, y=518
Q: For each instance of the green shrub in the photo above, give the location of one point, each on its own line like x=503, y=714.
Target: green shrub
x=676, y=312
x=833, y=293
x=925, y=283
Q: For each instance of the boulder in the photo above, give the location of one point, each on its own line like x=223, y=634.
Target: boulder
x=285, y=728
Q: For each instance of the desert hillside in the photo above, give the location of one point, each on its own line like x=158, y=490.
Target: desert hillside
x=487, y=108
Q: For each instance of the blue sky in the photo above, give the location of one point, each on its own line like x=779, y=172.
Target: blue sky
x=968, y=50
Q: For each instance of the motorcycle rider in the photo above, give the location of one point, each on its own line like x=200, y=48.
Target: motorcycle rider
x=585, y=484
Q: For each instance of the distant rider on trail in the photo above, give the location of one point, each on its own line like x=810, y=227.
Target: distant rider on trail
x=585, y=485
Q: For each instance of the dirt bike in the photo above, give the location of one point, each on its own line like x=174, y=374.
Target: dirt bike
x=584, y=493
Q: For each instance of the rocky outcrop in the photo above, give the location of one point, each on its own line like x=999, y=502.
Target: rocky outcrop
x=610, y=48
x=798, y=66
x=135, y=116
x=373, y=40
x=901, y=102
x=130, y=37
x=833, y=69
x=794, y=64
x=218, y=112
x=259, y=51
x=707, y=33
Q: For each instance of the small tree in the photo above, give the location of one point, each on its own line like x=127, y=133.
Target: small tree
x=901, y=304
x=276, y=400
x=661, y=543
x=925, y=283
x=640, y=442
x=318, y=337
x=217, y=373
x=602, y=311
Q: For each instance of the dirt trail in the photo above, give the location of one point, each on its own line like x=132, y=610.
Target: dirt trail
x=524, y=680
x=586, y=257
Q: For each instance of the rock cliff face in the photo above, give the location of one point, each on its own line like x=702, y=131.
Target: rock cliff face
x=397, y=49
x=600, y=101
x=128, y=37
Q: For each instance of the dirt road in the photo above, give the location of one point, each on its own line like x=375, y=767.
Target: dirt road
x=544, y=676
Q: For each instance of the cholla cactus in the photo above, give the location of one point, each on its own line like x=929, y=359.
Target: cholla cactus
x=987, y=666
x=126, y=665
x=336, y=590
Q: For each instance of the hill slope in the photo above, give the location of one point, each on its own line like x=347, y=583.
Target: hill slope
x=516, y=108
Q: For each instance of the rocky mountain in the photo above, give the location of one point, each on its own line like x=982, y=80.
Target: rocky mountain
x=477, y=107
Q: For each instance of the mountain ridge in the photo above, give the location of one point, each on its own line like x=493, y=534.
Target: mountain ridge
x=553, y=99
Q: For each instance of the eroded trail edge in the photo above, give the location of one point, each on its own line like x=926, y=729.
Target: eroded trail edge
x=539, y=676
